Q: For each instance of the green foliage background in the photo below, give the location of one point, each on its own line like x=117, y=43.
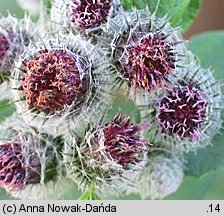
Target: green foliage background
x=205, y=171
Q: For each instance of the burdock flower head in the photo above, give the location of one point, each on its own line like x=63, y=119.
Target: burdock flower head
x=55, y=79
x=16, y=171
x=60, y=80
x=27, y=159
x=145, y=50
x=190, y=111
x=119, y=141
x=183, y=111
x=108, y=152
x=4, y=46
x=14, y=36
x=90, y=14
x=85, y=15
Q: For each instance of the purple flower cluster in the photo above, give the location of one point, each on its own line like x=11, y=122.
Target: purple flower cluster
x=15, y=169
x=53, y=80
x=4, y=47
x=90, y=14
x=146, y=60
x=122, y=140
x=183, y=112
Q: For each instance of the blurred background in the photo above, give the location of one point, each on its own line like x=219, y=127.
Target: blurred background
x=211, y=17
x=209, y=185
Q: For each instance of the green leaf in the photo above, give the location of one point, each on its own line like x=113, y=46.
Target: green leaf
x=46, y=6
x=6, y=109
x=189, y=15
x=125, y=105
x=12, y=7
x=4, y=195
x=206, y=159
x=89, y=196
x=181, y=12
x=209, y=47
x=171, y=8
x=207, y=187
x=140, y=4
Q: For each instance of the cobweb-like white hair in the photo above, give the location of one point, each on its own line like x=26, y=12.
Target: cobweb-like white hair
x=40, y=159
x=162, y=176
x=95, y=99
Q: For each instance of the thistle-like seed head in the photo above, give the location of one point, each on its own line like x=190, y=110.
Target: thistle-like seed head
x=16, y=170
x=145, y=50
x=29, y=159
x=15, y=35
x=4, y=46
x=183, y=111
x=58, y=83
x=119, y=141
x=106, y=154
x=55, y=79
x=190, y=112
x=90, y=13
x=8, y=44
x=145, y=61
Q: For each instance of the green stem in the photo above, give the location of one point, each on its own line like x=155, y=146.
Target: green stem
x=90, y=195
